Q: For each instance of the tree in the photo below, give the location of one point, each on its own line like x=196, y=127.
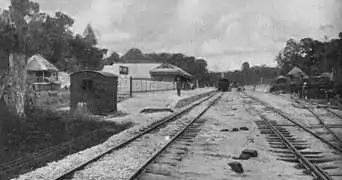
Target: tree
x=135, y=55
x=289, y=56
x=113, y=58
x=89, y=36
x=13, y=81
x=83, y=49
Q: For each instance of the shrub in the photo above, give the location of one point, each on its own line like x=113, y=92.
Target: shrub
x=44, y=128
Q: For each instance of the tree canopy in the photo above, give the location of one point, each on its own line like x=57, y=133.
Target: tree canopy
x=25, y=29
x=314, y=57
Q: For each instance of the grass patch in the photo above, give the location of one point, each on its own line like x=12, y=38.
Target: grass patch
x=51, y=99
x=46, y=128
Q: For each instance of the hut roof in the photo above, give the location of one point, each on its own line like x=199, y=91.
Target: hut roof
x=281, y=77
x=106, y=74
x=39, y=63
x=170, y=69
x=297, y=72
x=328, y=75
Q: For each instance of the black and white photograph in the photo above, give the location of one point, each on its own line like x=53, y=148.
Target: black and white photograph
x=170, y=90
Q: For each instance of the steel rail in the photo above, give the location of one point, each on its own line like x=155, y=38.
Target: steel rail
x=168, y=119
x=315, y=171
x=321, y=122
x=141, y=170
x=309, y=102
x=282, y=114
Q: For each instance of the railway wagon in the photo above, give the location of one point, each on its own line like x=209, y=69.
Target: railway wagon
x=223, y=84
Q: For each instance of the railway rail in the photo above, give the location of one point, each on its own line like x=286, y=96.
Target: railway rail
x=159, y=164
x=302, y=101
x=280, y=138
x=322, y=122
x=337, y=145
x=145, y=131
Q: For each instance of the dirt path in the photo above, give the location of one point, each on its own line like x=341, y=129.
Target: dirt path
x=213, y=149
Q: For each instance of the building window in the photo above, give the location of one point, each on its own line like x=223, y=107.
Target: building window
x=87, y=84
x=39, y=73
x=123, y=70
x=47, y=74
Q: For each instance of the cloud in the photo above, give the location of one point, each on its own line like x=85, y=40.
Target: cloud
x=224, y=32
x=4, y=4
x=101, y=15
x=259, y=30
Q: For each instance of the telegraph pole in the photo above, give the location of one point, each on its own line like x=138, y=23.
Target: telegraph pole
x=325, y=53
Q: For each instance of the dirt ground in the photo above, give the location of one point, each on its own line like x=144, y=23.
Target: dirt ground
x=131, y=113
x=213, y=149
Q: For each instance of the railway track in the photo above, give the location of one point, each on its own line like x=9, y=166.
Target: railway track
x=330, y=121
x=289, y=148
x=160, y=164
x=151, y=129
x=309, y=103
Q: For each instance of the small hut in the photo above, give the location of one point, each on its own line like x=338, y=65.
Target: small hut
x=97, y=89
x=327, y=75
x=297, y=75
x=42, y=73
x=41, y=70
x=281, y=80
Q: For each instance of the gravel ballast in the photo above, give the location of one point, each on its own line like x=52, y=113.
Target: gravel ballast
x=122, y=163
x=54, y=169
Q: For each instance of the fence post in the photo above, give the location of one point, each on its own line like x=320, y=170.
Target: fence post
x=131, y=86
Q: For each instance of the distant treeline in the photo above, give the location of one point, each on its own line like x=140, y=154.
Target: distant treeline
x=196, y=67
x=249, y=75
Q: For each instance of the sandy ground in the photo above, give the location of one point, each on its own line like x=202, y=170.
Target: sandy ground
x=156, y=99
x=120, y=164
x=162, y=99
x=133, y=107
x=213, y=149
x=305, y=118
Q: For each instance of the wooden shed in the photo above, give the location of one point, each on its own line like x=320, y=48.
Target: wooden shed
x=97, y=89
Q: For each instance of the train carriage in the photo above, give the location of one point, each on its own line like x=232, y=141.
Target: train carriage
x=223, y=84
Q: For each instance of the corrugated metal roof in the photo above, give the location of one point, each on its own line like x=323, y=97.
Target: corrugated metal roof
x=141, y=70
x=107, y=74
x=169, y=68
x=39, y=63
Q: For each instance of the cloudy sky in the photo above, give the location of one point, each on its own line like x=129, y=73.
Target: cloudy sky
x=224, y=32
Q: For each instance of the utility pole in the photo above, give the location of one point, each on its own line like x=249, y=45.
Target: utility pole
x=325, y=53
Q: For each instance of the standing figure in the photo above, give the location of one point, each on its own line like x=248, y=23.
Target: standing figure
x=304, y=90
x=179, y=85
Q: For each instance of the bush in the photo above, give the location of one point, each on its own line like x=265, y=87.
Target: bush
x=279, y=87
x=45, y=128
x=50, y=99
